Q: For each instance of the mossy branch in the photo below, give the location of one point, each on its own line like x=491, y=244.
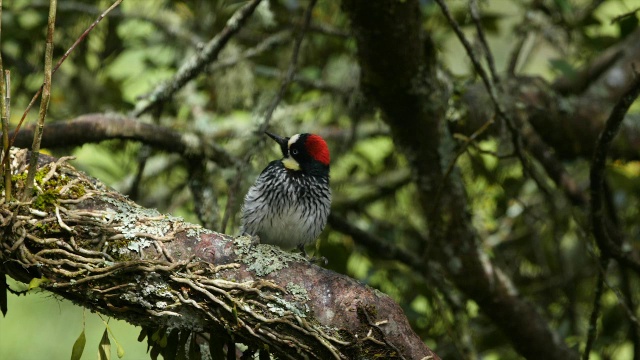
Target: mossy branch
x=97, y=248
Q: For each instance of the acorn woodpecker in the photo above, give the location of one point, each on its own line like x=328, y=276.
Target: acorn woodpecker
x=290, y=201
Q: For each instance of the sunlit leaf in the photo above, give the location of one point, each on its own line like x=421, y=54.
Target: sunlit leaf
x=36, y=282
x=104, y=348
x=119, y=348
x=78, y=346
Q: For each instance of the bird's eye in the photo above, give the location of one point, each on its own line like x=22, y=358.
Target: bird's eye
x=294, y=152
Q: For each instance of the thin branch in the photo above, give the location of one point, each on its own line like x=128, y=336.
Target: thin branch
x=376, y=245
x=62, y=59
x=6, y=115
x=552, y=166
x=267, y=44
x=475, y=15
x=196, y=64
x=327, y=30
x=600, y=233
x=578, y=83
x=514, y=56
x=5, y=97
x=469, y=49
x=371, y=190
x=626, y=298
x=44, y=103
x=595, y=311
x=461, y=150
x=305, y=82
x=625, y=15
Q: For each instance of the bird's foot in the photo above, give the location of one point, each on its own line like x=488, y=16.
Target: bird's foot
x=255, y=240
x=318, y=260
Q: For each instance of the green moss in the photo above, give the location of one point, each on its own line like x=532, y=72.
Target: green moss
x=77, y=191
x=47, y=228
x=46, y=200
x=19, y=178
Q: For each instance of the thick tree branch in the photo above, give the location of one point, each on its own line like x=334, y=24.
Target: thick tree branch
x=603, y=237
x=102, y=251
x=398, y=74
x=94, y=128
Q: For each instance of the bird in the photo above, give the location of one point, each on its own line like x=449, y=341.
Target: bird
x=289, y=203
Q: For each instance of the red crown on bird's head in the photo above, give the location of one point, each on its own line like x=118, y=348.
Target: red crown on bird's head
x=318, y=149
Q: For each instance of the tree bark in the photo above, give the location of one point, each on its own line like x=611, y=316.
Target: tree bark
x=95, y=247
x=398, y=74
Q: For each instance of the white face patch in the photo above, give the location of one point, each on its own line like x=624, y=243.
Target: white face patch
x=289, y=162
x=293, y=139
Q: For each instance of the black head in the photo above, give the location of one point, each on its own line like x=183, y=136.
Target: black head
x=304, y=152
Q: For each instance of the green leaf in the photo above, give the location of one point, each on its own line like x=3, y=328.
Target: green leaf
x=36, y=282
x=564, y=67
x=104, y=348
x=78, y=346
x=119, y=348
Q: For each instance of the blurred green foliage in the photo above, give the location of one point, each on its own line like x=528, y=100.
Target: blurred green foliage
x=536, y=238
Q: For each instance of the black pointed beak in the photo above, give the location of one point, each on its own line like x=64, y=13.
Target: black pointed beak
x=280, y=140
x=283, y=142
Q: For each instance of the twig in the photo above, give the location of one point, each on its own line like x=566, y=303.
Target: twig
x=4, y=106
x=475, y=15
x=603, y=144
x=595, y=312
x=465, y=43
x=267, y=44
x=578, y=83
x=62, y=59
x=625, y=15
x=6, y=115
x=627, y=301
x=377, y=245
x=44, y=103
x=471, y=139
x=514, y=57
x=305, y=82
x=194, y=66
